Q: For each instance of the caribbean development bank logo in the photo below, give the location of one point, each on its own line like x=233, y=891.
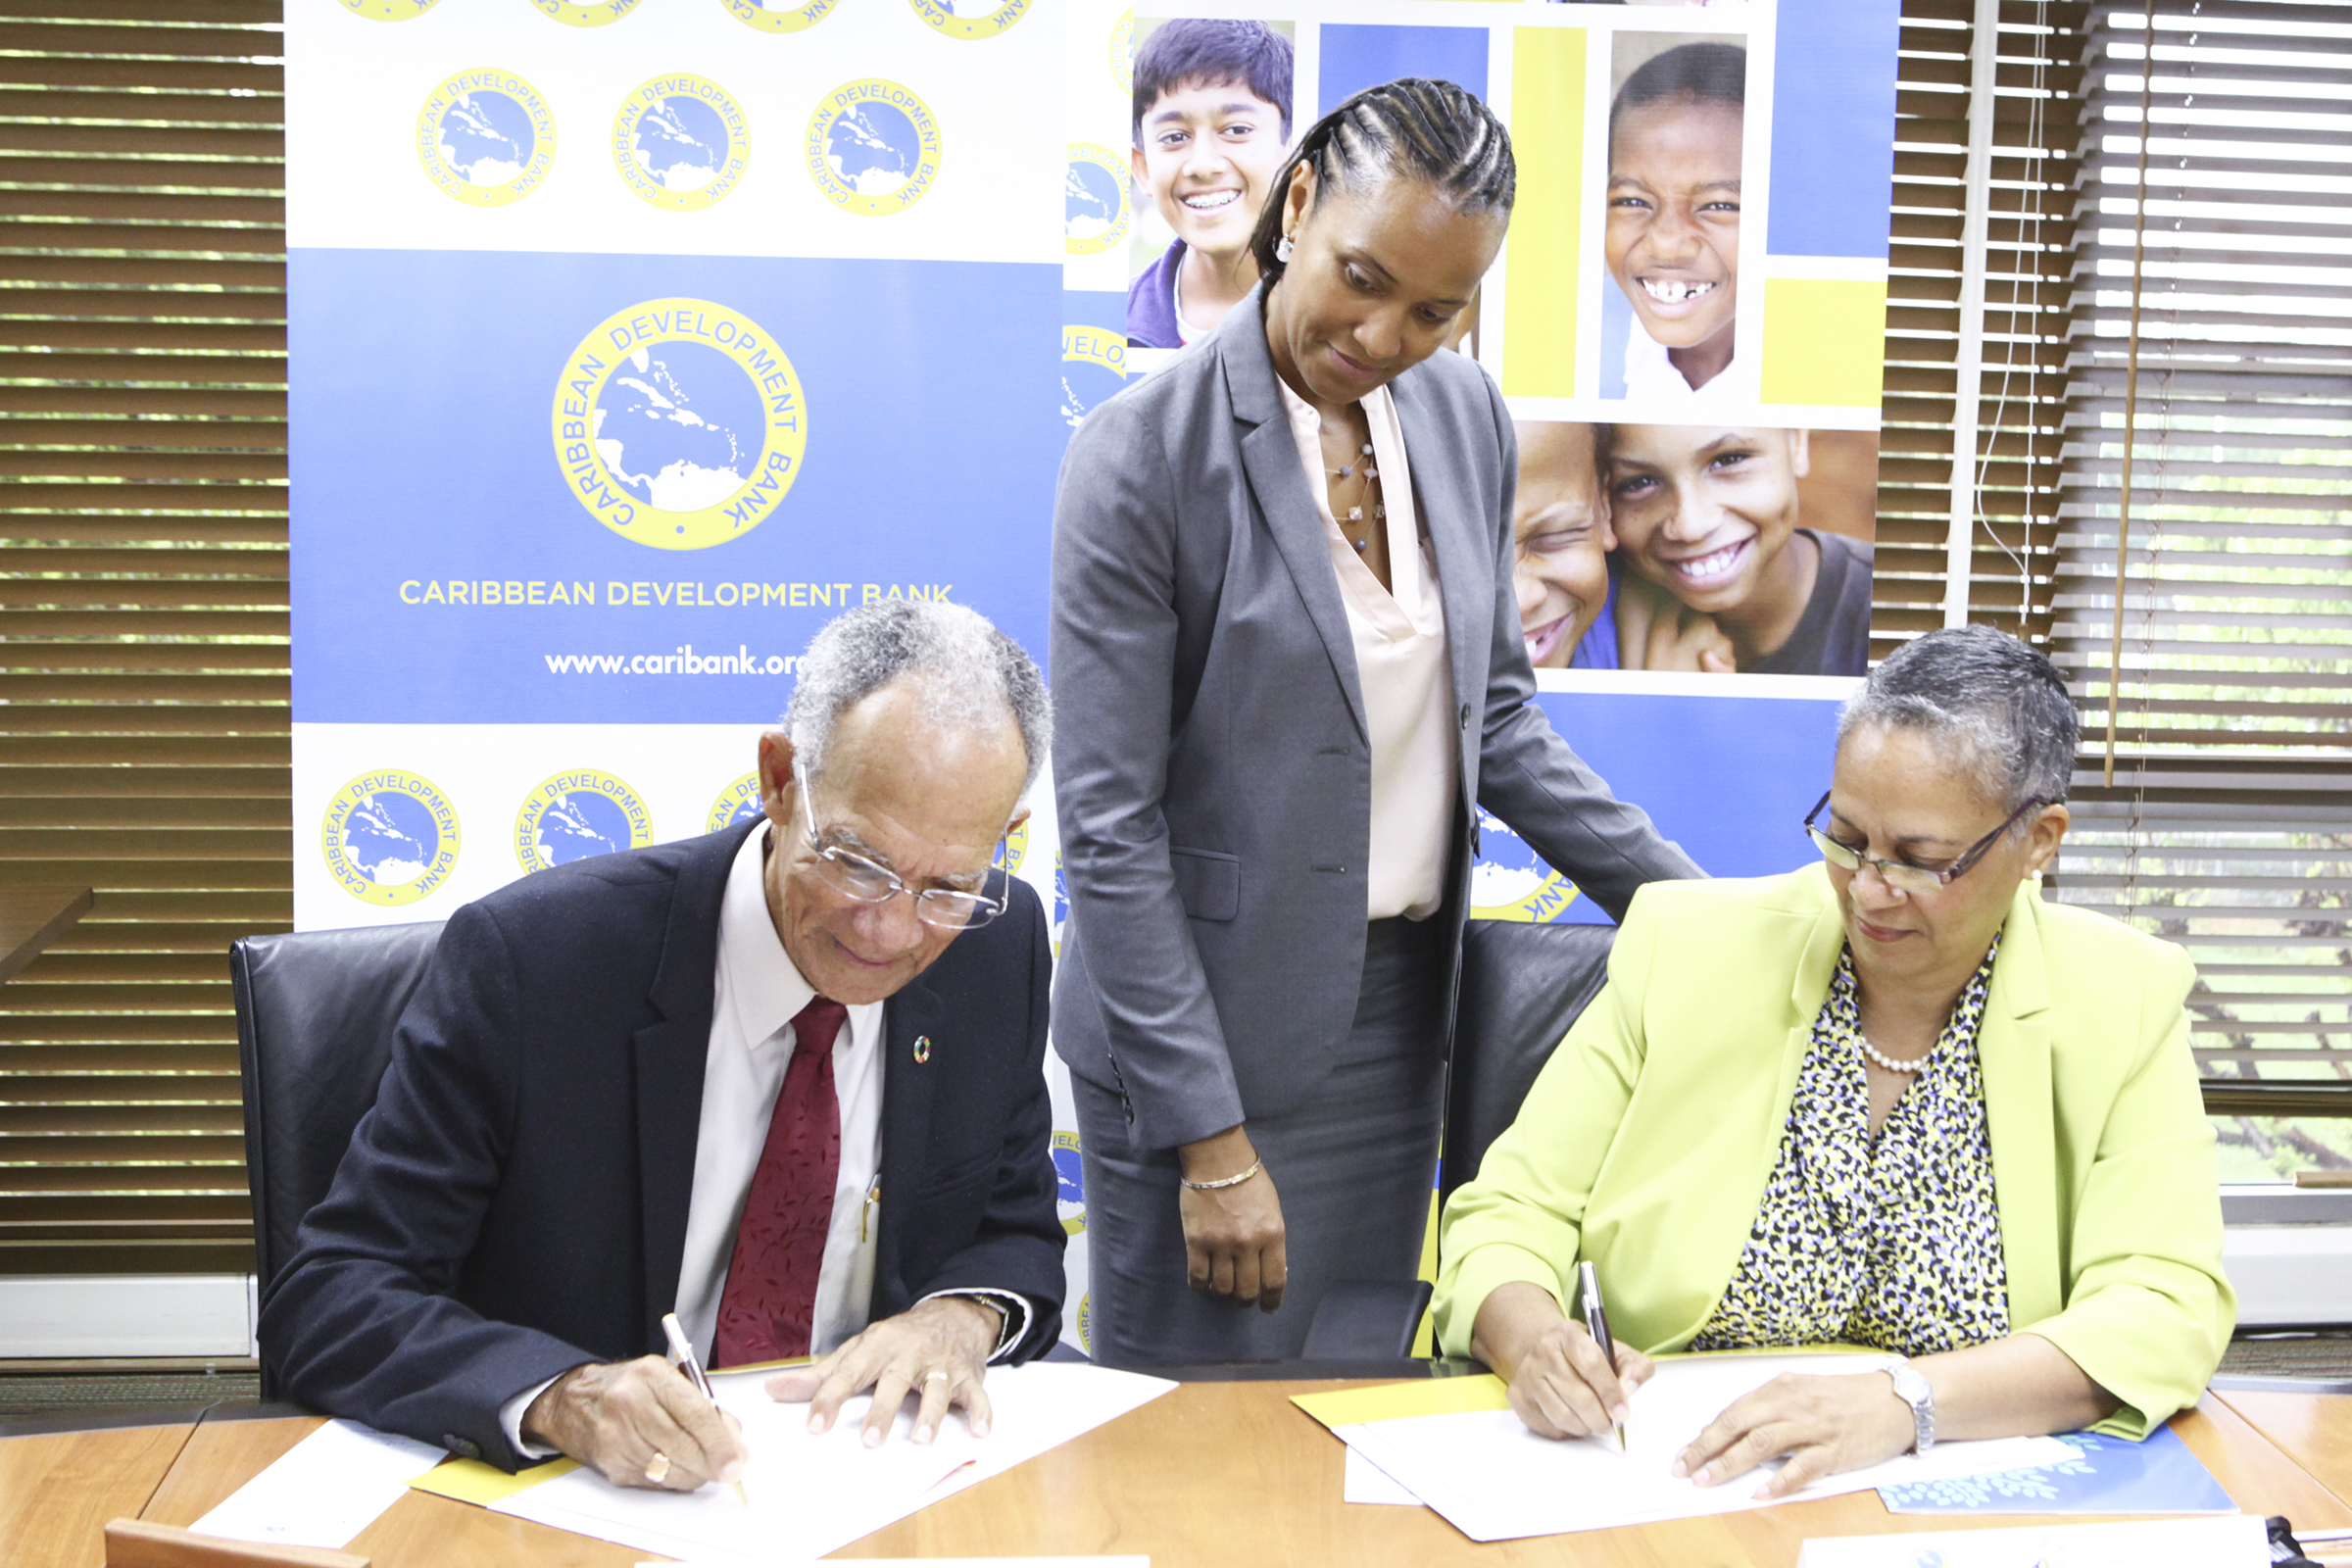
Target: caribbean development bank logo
x=1094, y=200
x=1093, y=366
x=1069, y=1181
x=486, y=137
x=1122, y=52
x=679, y=423
x=776, y=15
x=1509, y=881
x=971, y=19
x=389, y=9
x=588, y=16
x=681, y=142
x=390, y=837
x=739, y=801
x=873, y=147
x=573, y=815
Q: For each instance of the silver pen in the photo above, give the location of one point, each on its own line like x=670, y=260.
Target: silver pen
x=681, y=1352
x=1596, y=1323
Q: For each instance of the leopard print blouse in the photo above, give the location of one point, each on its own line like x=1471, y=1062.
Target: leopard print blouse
x=1893, y=1243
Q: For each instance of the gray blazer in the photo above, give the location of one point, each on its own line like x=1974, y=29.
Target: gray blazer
x=1211, y=761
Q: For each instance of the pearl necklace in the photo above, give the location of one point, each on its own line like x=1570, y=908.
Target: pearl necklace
x=1886, y=1061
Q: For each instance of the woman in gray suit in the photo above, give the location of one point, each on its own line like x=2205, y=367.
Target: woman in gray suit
x=1286, y=660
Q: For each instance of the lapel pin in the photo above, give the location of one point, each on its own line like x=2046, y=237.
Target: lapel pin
x=922, y=1047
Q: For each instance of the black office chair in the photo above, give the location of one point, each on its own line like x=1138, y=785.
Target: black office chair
x=1522, y=986
x=314, y=1017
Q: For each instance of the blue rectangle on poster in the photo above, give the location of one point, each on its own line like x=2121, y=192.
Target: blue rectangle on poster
x=2113, y=1476
x=1728, y=778
x=480, y=443
x=1832, y=128
x=1357, y=55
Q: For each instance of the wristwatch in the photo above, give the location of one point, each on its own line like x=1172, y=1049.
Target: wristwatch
x=1914, y=1391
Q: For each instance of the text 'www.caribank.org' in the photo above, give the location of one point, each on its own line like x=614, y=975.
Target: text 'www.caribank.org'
x=679, y=661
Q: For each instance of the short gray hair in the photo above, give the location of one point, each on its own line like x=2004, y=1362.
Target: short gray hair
x=966, y=674
x=2000, y=707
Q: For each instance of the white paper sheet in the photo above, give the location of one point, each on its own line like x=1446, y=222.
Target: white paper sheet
x=2232, y=1541
x=324, y=1490
x=1494, y=1480
x=1367, y=1481
x=810, y=1495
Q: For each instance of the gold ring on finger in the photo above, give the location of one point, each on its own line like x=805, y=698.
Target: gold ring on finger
x=935, y=1377
x=657, y=1469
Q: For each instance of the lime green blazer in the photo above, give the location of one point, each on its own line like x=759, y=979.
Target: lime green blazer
x=1646, y=1144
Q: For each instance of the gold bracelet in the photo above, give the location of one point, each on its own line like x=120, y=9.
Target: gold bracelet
x=1256, y=1167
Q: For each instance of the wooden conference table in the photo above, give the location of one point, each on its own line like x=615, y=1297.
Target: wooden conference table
x=1215, y=1473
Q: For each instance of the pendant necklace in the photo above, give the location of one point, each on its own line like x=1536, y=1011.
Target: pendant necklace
x=1355, y=514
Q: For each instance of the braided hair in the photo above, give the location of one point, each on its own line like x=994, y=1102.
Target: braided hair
x=1431, y=131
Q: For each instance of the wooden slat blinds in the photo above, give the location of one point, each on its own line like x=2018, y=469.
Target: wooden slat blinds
x=2026, y=303
x=2228, y=823
x=143, y=661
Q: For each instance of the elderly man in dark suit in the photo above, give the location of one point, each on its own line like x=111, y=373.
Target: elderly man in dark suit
x=785, y=1079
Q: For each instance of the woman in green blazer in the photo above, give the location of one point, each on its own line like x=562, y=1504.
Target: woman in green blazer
x=1892, y=1100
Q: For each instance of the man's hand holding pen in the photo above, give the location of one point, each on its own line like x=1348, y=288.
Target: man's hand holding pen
x=639, y=1423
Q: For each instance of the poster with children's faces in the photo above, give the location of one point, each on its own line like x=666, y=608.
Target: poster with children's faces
x=1686, y=316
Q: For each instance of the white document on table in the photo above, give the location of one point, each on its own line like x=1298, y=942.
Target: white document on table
x=324, y=1490
x=809, y=1494
x=1494, y=1480
x=1366, y=1482
x=2234, y=1540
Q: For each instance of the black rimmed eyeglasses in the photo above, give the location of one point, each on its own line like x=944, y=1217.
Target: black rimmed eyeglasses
x=1895, y=873
x=853, y=876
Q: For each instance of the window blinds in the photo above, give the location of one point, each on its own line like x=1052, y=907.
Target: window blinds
x=2027, y=299
x=143, y=613
x=2216, y=319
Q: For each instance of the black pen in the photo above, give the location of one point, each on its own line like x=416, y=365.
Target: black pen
x=1597, y=1322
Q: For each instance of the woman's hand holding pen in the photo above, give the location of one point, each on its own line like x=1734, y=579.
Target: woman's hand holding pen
x=1234, y=1241
x=640, y=1424
x=1560, y=1380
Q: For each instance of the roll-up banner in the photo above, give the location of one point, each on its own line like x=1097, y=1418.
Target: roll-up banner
x=631, y=342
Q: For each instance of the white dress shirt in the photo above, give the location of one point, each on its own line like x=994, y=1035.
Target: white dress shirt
x=1399, y=637
x=1651, y=376
x=758, y=991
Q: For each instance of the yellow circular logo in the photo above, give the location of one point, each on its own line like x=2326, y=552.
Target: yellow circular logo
x=390, y=837
x=781, y=16
x=486, y=137
x=1122, y=52
x=1094, y=200
x=1510, y=881
x=588, y=16
x=681, y=142
x=1013, y=850
x=679, y=423
x=971, y=19
x=873, y=147
x=389, y=9
x=1069, y=1181
x=739, y=801
x=573, y=815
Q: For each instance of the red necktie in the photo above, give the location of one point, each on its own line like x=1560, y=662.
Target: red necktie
x=770, y=1306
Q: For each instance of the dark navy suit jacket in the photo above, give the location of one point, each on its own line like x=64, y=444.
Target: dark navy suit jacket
x=515, y=1204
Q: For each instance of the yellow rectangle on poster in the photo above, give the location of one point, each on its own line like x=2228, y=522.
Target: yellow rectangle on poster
x=1825, y=341
x=1547, y=135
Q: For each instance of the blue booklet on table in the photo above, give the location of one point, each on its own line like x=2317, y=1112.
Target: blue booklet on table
x=2111, y=1476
